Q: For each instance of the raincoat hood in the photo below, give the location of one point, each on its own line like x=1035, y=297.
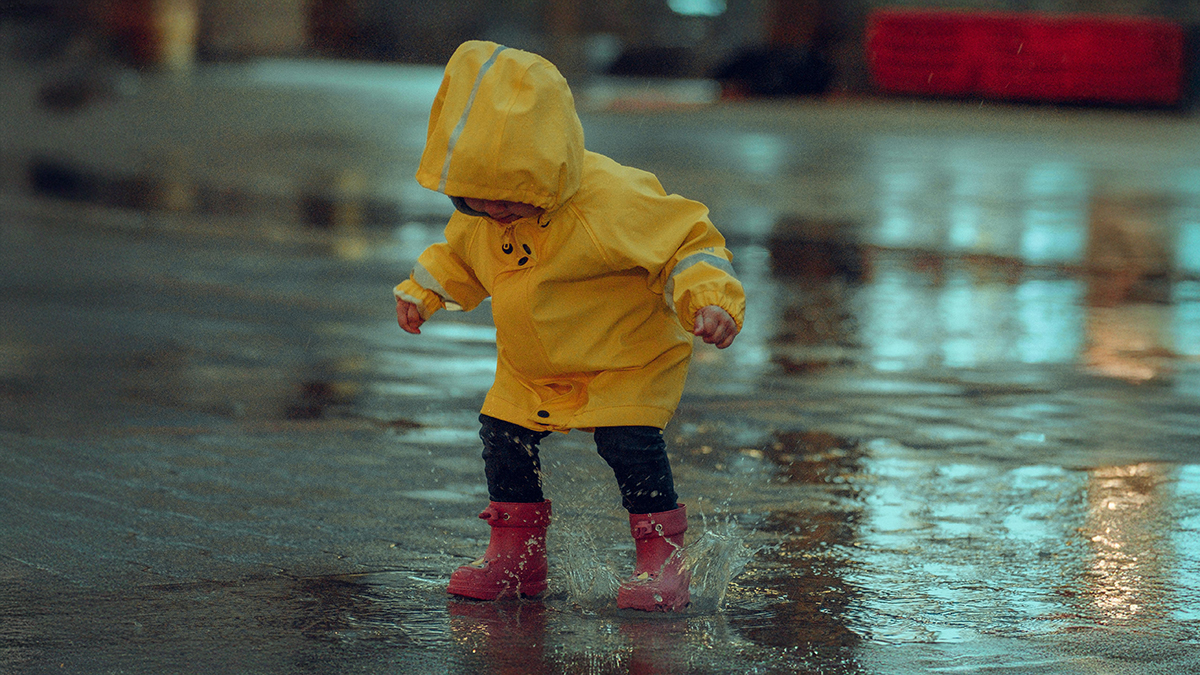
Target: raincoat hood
x=503, y=127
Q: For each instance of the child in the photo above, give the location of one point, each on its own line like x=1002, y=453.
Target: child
x=598, y=281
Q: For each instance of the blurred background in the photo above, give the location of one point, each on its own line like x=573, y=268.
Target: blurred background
x=664, y=38
x=962, y=408
x=1024, y=173
x=1025, y=137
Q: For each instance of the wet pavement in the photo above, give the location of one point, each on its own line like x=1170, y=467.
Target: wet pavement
x=959, y=433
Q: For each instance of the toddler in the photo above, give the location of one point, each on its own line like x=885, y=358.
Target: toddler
x=598, y=282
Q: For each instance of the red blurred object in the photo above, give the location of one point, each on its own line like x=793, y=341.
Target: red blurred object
x=130, y=24
x=1018, y=56
x=151, y=33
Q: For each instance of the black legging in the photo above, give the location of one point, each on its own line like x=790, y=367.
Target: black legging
x=637, y=455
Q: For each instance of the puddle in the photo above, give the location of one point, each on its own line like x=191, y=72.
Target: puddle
x=947, y=442
x=893, y=545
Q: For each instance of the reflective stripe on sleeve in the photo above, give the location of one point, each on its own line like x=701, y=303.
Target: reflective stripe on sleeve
x=426, y=280
x=698, y=257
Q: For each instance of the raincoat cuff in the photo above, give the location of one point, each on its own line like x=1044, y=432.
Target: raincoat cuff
x=427, y=301
x=698, y=301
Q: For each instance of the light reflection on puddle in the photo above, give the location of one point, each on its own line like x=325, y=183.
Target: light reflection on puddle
x=1017, y=550
x=989, y=497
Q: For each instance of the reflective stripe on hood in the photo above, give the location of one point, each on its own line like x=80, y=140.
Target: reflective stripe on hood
x=462, y=120
x=512, y=135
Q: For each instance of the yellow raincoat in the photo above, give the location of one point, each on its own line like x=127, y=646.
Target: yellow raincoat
x=594, y=300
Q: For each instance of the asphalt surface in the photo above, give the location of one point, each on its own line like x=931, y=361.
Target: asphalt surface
x=959, y=432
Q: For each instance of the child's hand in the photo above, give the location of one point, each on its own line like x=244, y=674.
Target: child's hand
x=409, y=317
x=715, y=326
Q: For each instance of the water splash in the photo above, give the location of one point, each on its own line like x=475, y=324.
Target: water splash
x=715, y=556
x=590, y=582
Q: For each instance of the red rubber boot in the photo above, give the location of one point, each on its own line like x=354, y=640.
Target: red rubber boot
x=515, y=561
x=660, y=581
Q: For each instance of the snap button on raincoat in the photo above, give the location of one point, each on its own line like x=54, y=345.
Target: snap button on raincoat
x=594, y=300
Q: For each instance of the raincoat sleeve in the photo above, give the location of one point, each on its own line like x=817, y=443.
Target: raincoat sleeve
x=441, y=280
x=699, y=274
x=672, y=238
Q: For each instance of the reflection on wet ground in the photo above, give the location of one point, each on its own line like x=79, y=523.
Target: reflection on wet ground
x=958, y=434
x=951, y=485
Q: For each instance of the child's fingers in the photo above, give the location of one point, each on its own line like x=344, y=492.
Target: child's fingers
x=715, y=326
x=409, y=317
x=414, y=319
x=728, y=333
x=720, y=336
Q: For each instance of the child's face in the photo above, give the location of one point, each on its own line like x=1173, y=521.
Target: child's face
x=501, y=211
